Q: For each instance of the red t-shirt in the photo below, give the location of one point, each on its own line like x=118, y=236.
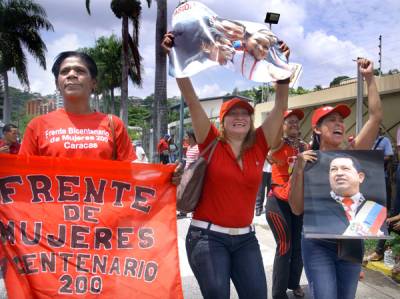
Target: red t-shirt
x=14, y=147
x=162, y=146
x=63, y=134
x=229, y=193
x=282, y=168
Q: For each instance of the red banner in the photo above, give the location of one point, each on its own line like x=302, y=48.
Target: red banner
x=88, y=229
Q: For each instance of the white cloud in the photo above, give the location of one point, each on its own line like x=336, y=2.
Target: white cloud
x=324, y=36
x=210, y=90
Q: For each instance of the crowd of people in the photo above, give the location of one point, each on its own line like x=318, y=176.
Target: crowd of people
x=221, y=243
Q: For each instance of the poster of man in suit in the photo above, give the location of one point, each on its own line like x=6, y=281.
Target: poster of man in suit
x=202, y=39
x=344, y=196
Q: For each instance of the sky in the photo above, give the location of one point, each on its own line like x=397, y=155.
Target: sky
x=323, y=35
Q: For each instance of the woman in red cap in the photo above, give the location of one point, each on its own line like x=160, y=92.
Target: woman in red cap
x=330, y=275
x=221, y=242
x=285, y=225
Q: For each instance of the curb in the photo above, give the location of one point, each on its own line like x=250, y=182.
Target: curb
x=381, y=267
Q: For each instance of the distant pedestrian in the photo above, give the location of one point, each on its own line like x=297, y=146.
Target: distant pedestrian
x=163, y=149
x=173, y=150
x=140, y=153
x=9, y=143
x=192, y=152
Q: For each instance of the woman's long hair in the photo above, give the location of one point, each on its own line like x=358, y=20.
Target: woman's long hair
x=248, y=141
x=316, y=138
x=316, y=141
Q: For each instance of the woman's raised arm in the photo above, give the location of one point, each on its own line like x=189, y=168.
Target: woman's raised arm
x=365, y=139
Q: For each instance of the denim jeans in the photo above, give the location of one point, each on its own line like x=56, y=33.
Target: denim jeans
x=396, y=204
x=288, y=263
x=215, y=258
x=328, y=276
x=265, y=182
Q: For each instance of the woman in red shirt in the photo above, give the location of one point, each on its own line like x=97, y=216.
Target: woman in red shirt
x=76, y=131
x=221, y=242
x=285, y=225
x=332, y=275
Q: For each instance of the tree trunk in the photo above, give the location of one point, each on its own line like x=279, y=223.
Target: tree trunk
x=104, y=98
x=160, y=109
x=125, y=68
x=7, y=102
x=112, y=98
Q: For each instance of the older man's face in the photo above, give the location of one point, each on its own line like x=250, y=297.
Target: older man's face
x=344, y=178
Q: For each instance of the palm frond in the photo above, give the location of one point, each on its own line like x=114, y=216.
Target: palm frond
x=88, y=6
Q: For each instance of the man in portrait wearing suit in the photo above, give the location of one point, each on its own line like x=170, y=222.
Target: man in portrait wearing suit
x=345, y=178
x=338, y=216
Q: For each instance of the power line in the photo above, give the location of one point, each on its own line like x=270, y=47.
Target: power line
x=380, y=55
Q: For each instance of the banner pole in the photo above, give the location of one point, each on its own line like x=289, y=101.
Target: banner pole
x=359, y=101
x=181, y=128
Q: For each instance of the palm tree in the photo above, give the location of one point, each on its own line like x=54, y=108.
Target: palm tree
x=131, y=60
x=160, y=111
x=20, y=23
x=107, y=54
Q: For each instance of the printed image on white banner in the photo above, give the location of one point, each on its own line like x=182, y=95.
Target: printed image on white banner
x=344, y=196
x=202, y=40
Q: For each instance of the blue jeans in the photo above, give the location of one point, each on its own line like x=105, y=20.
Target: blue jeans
x=215, y=258
x=328, y=276
x=396, y=204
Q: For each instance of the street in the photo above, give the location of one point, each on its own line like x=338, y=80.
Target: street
x=374, y=285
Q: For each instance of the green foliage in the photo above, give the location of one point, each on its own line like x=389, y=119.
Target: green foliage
x=23, y=122
x=395, y=244
x=20, y=25
x=138, y=115
x=299, y=91
x=317, y=87
x=107, y=55
x=369, y=246
x=19, y=98
x=392, y=72
x=337, y=80
x=134, y=135
x=173, y=115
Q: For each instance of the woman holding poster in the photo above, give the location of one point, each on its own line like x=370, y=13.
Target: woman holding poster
x=221, y=242
x=333, y=266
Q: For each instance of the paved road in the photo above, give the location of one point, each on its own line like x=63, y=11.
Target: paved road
x=374, y=286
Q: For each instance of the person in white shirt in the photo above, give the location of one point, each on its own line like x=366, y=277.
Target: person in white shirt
x=140, y=153
x=192, y=153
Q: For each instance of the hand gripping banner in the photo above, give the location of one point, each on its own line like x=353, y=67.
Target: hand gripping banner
x=203, y=39
x=88, y=229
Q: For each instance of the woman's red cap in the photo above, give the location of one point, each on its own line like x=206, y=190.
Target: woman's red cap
x=299, y=113
x=235, y=102
x=321, y=112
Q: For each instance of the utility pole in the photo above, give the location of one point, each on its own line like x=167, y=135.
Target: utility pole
x=380, y=55
x=359, y=101
x=270, y=18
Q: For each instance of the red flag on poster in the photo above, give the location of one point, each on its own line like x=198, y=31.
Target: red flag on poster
x=86, y=228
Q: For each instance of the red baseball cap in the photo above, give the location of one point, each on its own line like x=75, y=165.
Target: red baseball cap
x=235, y=102
x=299, y=113
x=321, y=112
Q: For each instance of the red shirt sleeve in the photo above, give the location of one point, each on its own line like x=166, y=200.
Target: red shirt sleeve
x=29, y=144
x=124, y=145
x=212, y=134
x=261, y=141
